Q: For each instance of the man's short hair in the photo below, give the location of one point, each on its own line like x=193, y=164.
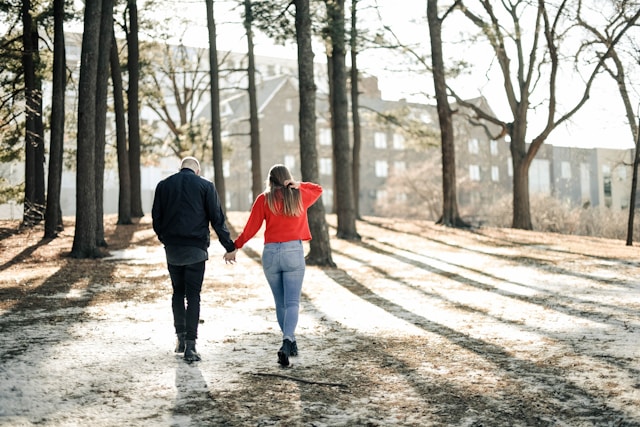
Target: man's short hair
x=190, y=163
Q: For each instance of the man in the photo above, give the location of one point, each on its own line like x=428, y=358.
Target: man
x=183, y=207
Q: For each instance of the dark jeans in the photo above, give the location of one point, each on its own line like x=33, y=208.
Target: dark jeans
x=187, y=283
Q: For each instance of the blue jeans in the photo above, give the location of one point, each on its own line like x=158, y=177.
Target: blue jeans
x=283, y=266
x=186, y=281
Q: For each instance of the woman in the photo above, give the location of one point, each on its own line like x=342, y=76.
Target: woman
x=283, y=206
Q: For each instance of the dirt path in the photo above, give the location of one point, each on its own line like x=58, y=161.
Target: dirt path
x=418, y=325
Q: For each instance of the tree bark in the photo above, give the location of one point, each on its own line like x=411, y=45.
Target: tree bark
x=450, y=215
x=257, y=181
x=124, y=182
x=133, y=96
x=53, y=215
x=319, y=246
x=355, y=106
x=34, y=201
x=84, y=241
x=102, y=83
x=346, y=213
x=216, y=130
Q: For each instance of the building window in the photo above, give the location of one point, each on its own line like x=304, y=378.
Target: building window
x=398, y=141
x=474, y=146
x=401, y=197
x=399, y=166
x=606, y=180
x=539, y=176
x=290, y=161
x=585, y=182
x=226, y=168
x=474, y=172
x=493, y=146
x=325, y=166
x=327, y=197
x=495, y=174
x=288, y=104
x=565, y=170
x=382, y=168
x=380, y=140
x=325, y=136
x=621, y=172
x=381, y=196
x=289, y=133
x=509, y=167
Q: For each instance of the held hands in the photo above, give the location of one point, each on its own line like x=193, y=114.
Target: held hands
x=290, y=183
x=230, y=257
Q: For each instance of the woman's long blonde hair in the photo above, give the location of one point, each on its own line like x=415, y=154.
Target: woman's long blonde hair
x=280, y=199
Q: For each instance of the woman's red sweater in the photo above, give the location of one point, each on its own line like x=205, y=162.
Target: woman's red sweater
x=280, y=228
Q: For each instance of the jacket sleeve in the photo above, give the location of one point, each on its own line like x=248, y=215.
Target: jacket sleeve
x=156, y=211
x=217, y=218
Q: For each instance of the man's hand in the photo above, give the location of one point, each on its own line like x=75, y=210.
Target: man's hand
x=230, y=257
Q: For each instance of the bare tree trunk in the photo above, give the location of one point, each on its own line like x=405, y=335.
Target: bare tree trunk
x=216, y=135
x=256, y=162
x=521, y=206
x=124, y=181
x=34, y=201
x=450, y=216
x=102, y=83
x=634, y=188
x=84, y=241
x=53, y=215
x=319, y=246
x=355, y=106
x=346, y=213
x=133, y=67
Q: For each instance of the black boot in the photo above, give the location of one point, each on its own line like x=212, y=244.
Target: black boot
x=294, y=348
x=180, y=345
x=284, y=353
x=190, y=354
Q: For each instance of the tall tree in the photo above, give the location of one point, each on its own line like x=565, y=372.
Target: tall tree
x=102, y=83
x=542, y=63
x=133, y=110
x=53, y=215
x=34, y=200
x=319, y=246
x=355, y=106
x=345, y=209
x=124, y=181
x=450, y=215
x=254, y=125
x=216, y=129
x=84, y=241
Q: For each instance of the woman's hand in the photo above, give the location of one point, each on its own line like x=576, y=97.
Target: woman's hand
x=290, y=183
x=230, y=257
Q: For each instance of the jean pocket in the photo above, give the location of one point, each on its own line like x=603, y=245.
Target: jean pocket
x=293, y=260
x=268, y=258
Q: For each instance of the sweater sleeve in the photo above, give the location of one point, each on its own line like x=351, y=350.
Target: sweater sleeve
x=310, y=192
x=256, y=218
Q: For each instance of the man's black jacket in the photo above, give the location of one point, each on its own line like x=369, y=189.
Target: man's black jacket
x=183, y=206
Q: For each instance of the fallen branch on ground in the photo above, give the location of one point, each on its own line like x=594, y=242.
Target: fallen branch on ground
x=302, y=380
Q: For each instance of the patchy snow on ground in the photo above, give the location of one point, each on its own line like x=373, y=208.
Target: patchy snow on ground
x=417, y=325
